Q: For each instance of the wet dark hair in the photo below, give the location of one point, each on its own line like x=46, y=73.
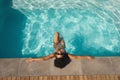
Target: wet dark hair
x=62, y=62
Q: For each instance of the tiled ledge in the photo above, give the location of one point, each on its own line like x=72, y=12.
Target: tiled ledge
x=100, y=65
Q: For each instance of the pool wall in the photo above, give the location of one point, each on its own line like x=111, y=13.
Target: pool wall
x=12, y=24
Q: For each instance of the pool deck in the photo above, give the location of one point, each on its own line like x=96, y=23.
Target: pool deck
x=99, y=66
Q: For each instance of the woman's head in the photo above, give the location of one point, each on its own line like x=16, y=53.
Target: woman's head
x=61, y=60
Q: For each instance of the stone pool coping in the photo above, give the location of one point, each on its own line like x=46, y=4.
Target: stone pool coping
x=100, y=65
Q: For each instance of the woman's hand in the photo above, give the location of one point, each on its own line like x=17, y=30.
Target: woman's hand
x=29, y=60
x=89, y=57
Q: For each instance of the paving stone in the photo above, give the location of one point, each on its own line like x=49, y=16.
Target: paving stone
x=9, y=67
x=97, y=66
x=115, y=61
x=100, y=65
x=34, y=68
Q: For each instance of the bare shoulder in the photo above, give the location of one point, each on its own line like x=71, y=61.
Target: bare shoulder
x=71, y=56
x=51, y=55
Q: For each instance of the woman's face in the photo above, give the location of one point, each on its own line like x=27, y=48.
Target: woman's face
x=59, y=54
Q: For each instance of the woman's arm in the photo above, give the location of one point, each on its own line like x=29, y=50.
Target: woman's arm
x=40, y=59
x=80, y=57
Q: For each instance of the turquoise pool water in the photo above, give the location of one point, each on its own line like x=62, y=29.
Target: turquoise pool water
x=88, y=28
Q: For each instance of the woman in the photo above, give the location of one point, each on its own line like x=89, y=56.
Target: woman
x=62, y=58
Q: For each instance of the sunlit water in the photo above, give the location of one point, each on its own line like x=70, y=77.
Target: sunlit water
x=88, y=28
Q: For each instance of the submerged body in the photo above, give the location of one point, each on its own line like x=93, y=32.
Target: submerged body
x=62, y=58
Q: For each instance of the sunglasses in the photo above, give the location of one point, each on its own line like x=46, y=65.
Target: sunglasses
x=59, y=53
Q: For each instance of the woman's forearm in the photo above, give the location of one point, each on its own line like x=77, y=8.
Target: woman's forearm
x=81, y=57
x=84, y=57
x=34, y=59
x=37, y=59
x=88, y=57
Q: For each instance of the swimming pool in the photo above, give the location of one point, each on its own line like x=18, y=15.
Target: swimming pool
x=88, y=28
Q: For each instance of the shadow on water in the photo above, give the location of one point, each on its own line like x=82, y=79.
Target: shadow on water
x=78, y=42
x=12, y=23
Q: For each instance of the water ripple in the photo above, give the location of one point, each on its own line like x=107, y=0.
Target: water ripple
x=94, y=26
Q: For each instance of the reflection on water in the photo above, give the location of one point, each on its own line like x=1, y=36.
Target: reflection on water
x=89, y=28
